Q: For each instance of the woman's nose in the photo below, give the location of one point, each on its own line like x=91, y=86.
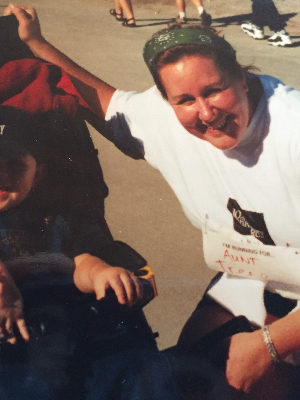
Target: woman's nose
x=205, y=110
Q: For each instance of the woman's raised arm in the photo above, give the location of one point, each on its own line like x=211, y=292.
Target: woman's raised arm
x=95, y=92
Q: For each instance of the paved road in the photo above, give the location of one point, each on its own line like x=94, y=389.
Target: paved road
x=141, y=209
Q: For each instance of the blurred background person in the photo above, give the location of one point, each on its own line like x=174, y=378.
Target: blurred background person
x=124, y=7
x=205, y=18
x=264, y=13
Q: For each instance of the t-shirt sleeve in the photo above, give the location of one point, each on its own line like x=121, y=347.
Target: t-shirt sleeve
x=119, y=120
x=144, y=125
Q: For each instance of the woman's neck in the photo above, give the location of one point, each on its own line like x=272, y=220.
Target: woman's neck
x=255, y=93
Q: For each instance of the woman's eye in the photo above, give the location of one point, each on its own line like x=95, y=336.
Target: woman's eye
x=186, y=100
x=211, y=91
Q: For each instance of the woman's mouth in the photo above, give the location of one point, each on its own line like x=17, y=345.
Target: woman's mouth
x=221, y=125
x=215, y=128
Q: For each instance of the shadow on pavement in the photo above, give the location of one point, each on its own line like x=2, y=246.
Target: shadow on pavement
x=154, y=21
x=217, y=22
x=239, y=19
x=295, y=44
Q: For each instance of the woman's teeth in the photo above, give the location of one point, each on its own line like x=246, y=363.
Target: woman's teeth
x=219, y=126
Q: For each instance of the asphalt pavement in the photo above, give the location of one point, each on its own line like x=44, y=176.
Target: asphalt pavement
x=141, y=209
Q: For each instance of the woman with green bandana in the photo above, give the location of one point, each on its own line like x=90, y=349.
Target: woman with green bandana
x=228, y=143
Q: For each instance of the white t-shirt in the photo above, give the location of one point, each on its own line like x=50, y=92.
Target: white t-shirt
x=253, y=189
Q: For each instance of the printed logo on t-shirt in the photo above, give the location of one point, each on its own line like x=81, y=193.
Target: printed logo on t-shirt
x=249, y=223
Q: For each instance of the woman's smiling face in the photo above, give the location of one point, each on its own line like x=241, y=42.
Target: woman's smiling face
x=207, y=101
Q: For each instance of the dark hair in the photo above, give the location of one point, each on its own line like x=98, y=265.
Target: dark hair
x=224, y=60
x=22, y=134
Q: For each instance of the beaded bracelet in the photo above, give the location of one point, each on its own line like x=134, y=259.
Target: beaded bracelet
x=270, y=346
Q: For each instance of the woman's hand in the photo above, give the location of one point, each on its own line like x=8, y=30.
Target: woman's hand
x=93, y=275
x=11, y=309
x=248, y=360
x=29, y=26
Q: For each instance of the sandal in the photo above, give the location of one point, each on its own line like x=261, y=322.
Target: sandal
x=118, y=16
x=126, y=23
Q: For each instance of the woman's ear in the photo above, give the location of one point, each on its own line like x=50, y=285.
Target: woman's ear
x=244, y=79
x=40, y=173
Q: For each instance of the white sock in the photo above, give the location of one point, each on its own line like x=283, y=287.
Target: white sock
x=181, y=14
x=200, y=10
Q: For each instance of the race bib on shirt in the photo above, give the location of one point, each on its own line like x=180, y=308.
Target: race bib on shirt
x=249, y=258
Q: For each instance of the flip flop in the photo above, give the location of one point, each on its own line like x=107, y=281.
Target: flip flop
x=118, y=16
x=132, y=25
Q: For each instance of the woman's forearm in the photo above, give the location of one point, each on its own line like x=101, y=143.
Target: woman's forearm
x=95, y=92
x=285, y=334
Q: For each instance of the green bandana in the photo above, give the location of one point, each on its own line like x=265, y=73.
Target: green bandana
x=174, y=37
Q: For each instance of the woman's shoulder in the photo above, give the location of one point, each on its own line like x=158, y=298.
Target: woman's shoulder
x=275, y=88
x=283, y=104
x=149, y=99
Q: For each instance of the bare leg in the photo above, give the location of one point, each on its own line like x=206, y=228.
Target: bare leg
x=181, y=19
x=198, y=3
x=199, y=6
x=118, y=12
x=118, y=7
x=127, y=9
x=181, y=5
